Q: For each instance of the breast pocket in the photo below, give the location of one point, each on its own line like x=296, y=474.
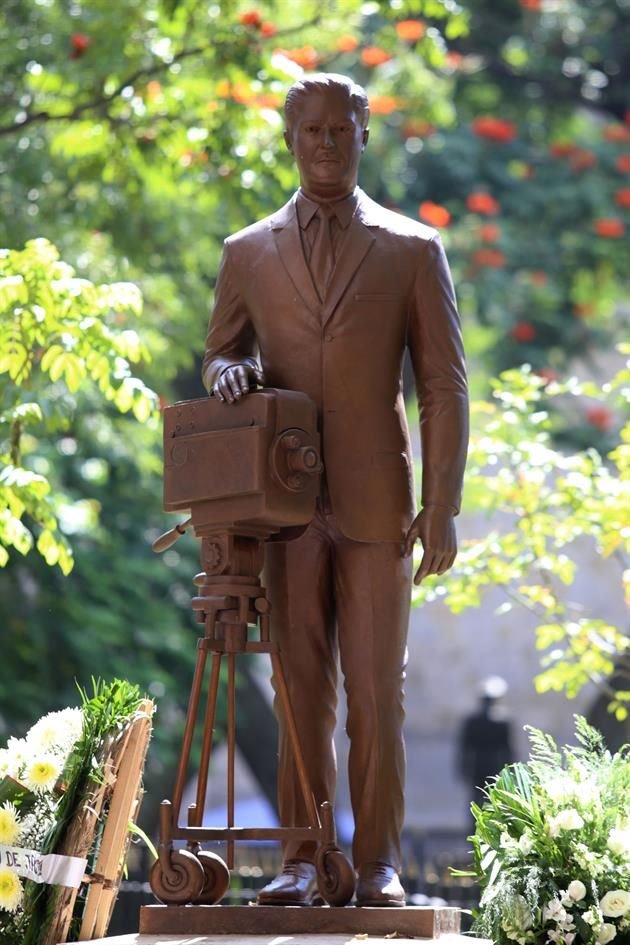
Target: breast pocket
x=378, y=297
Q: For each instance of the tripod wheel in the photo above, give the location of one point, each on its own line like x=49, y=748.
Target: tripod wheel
x=335, y=876
x=217, y=878
x=183, y=883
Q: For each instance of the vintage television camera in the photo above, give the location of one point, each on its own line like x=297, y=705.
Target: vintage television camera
x=252, y=464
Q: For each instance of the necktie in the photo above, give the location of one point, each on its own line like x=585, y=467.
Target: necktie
x=322, y=259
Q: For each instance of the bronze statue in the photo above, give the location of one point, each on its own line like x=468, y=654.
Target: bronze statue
x=324, y=297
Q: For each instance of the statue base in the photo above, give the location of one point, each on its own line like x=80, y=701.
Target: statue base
x=409, y=922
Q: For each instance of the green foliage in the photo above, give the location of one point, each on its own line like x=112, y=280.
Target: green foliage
x=57, y=333
x=552, y=845
x=538, y=501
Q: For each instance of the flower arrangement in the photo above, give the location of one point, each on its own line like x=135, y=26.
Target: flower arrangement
x=552, y=846
x=44, y=780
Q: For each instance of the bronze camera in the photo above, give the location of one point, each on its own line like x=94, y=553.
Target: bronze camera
x=254, y=463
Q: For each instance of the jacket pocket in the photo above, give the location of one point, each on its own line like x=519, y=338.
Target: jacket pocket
x=389, y=460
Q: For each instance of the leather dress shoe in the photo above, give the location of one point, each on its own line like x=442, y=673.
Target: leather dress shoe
x=379, y=885
x=295, y=885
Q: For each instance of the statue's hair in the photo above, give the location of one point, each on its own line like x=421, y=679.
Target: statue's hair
x=321, y=82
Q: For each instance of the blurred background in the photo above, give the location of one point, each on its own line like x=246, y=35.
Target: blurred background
x=134, y=137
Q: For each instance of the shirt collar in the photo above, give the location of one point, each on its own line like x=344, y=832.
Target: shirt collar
x=343, y=209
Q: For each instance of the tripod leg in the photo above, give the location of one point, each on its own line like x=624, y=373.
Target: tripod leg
x=231, y=733
x=189, y=731
x=285, y=702
x=206, y=747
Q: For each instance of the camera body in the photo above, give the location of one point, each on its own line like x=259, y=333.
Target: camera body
x=254, y=464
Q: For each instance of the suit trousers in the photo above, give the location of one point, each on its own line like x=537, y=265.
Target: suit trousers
x=339, y=600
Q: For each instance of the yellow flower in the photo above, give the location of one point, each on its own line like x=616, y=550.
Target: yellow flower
x=42, y=774
x=10, y=828
x=10, y=890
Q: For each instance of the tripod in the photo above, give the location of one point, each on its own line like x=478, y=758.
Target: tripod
x=230, y=600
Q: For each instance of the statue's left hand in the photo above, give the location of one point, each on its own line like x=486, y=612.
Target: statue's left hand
x=435, y=528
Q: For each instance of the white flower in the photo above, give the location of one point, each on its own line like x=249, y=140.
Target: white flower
x=554, y=911
x=561, y=938
x=567, y=819
x=576, y=890
x=592, y=863
x=606, y=933
x=56, y=732
x=10, y=827
x=590, y=917
x=12, y=758
x=7, y=763
x=615, y=903
x=10, y=890
x=521, y=916
x=525, y=843
x=42, y=773
x=619, y=841
x=561, y=788
x=564, y=788
x=506, y=841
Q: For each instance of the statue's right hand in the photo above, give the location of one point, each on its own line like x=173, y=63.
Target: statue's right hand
x=234, y=382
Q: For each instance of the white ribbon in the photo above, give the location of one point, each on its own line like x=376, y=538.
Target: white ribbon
x=48, y=868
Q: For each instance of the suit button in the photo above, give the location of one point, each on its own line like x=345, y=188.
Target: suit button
x=328, y=337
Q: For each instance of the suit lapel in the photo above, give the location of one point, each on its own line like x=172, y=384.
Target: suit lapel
x=357, y=243
x=286, y=233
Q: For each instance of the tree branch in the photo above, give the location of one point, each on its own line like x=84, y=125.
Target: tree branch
x=130, y=80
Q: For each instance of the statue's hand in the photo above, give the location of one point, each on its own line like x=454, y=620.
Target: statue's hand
x=234, y=382
x=435, y=528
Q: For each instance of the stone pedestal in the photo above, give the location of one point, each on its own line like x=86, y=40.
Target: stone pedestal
x=262, y=939
x=412, y=922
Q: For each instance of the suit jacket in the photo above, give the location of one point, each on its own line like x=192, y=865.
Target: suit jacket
x=390, y=290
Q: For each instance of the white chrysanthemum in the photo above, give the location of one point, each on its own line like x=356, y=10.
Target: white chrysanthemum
x=10, y=826
x=42, y=774
x=615, y=903
x=567, y=819
x=13, y=758
x=7, y=764
x=576, y=890
x=619, y=841
x=11, y=890
x=606, y=934
x=57, y=731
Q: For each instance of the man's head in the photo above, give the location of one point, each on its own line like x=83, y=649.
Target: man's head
x=326, y=131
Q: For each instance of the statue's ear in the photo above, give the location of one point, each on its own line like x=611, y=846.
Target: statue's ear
x=287, y=140
x=364, y=138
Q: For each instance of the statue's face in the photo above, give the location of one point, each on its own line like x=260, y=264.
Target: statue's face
x=327, y=140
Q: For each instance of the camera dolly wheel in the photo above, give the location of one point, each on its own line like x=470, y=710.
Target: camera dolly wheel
x=217, y=878
x=335, y=876
x=182, y=882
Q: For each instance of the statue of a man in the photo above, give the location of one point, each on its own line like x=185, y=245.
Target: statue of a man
x=324, y=297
